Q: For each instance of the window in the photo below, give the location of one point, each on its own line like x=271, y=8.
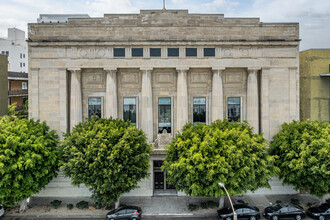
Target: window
x=23, y=55
x=164, y=115
x=191, y=52
x=155, y=52
x=199, y=114
x=173, y=52
x=7, y=53
x=23, y=64
x=122, y=212
x=234, y=108
x=2, y=52
x=20, y=65
x=94, y=107
x=130, y=110
x=24, y=86
x=209, y=52
x=119, y=52
x=137, y=52
x=24, y=100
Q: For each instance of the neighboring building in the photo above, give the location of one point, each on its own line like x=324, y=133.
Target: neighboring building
x=15, y=47
x=59, y=18
x=3, y=85
x=315, y=85
x=17, y=89
x=161, y=69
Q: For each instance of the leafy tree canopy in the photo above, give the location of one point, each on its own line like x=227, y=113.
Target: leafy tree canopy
x=29, y=158
x=302, y=151
x=201, y=156
x=108, y=155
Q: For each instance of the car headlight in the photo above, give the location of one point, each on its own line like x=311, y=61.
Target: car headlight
x=270, y=214
x=316, y=214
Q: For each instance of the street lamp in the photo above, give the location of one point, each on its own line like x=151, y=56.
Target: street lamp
x=232, y=207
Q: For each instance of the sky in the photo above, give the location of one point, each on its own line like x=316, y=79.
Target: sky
x=312, y=15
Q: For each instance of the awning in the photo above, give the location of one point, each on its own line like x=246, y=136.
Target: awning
x=324, y=74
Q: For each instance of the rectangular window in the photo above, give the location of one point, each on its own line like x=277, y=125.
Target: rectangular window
x=23, y=64
x=130, y=110
x=24, y=86
x=20, y=64
x=172, y=52
x=21, y=56
x=155, y=52
x=191, y=52
x=119, y=52
x=234, y=108
x=199, y=114
x=94, y=107
x=137, y=52
x=164, y=115
x=209, y=52
x=7, y=53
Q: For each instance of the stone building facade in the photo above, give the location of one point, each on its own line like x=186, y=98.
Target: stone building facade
x=162, y=69
x=315, y=85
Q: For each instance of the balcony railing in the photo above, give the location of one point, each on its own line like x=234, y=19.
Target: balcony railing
x=17, y=92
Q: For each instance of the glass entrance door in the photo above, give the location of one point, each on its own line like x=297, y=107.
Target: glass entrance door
x=159, y=180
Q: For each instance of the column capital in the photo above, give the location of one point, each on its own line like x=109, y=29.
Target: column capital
x=182, y=69
x=110, y=69
x=147, y=69
x=218, y=70
x=71, y=69
x=253, y=70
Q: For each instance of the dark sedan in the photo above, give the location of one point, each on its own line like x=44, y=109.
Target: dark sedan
x=277, y=211
x=125, y=212
x=320, y=212
x=242, y=211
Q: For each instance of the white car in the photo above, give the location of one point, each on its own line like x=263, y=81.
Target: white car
x=2, y=210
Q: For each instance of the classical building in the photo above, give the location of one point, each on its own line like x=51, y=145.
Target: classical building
x=15, y=47
x=17, y=89
x=161, y=69
x=315, y=85
x=3, y=85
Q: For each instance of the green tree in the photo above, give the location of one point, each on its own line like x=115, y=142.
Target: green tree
x=110, y=156
x=29, y=158
x=201, y=156
x=302, y=151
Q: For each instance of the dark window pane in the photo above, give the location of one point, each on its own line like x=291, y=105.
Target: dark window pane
x=164, y=115
x=137, y=52
x=94, y=107
x=158, y=163
x=191, y=52
x=155, y=52
x=130, y=110
x=234, y=108
x=199, y=110
x=173, y=52
x=119, y=52
x=209, y=52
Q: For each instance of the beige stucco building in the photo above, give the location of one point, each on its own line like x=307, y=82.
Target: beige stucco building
x=161, y=69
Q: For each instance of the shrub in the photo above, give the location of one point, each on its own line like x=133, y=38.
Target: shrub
x=82, y=205
x=98, y=205
x=211, y=204
x=203, y=205
x=302, y=155
x=278, y=202
x=29, y=158
x=69, y=206
x=192, y=207
x=56, y=203
x=110, y=156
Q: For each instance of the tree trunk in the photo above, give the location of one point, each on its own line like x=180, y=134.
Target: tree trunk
x=23, y=205
x=117, y=203
x=221, y=202
x=325, y=197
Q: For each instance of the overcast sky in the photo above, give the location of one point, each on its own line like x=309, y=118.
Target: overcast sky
x=313, y=15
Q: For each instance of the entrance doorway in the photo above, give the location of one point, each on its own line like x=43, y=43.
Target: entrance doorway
x=161, y=186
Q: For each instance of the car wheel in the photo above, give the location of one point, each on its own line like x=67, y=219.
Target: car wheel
x=298, y=217
x=228, y=218
x=253, y=218
x=275, y=217
x=133, y=218
x=321, y=217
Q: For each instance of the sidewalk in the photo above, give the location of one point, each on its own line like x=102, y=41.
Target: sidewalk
x=165, y=206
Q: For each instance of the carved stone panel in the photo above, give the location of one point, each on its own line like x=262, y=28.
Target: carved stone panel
x=93, y=79
x=162, y=77
x=199, y=77
x=234, y=77
x=129, y=77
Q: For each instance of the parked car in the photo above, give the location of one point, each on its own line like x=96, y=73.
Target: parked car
x=277, y=211
x=320, y=212
x=2, y=210
x=243, y=211
x=125, y=212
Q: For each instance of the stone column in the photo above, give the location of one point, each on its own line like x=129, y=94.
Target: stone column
x=217, y=95
x=76, y=98
x=253, y=100
x=182, y=99
x=147, y=112
x=111, y=108
x=63, y=99
x=34, y=94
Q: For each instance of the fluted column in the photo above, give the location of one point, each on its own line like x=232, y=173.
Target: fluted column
x=217, y=95
x=76, y=98
x=253, y=100
x=182, y=99
x=147, y=112
x=111, y=109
